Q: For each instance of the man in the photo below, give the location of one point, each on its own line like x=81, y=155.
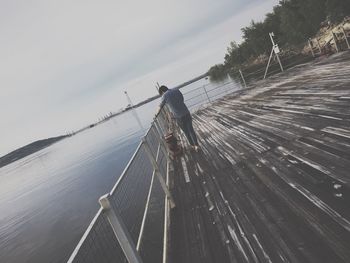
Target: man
x=175, y=100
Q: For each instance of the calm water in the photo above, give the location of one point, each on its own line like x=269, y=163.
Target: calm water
x=48, y=198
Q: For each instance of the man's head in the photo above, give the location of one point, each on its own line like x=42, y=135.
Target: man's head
x=162, y=89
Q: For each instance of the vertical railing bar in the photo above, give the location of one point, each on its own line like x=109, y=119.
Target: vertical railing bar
x=319, y=46
x=311, y=48
x=146, y=208
x=335, y=41
x=245, y=84
x=160, y=178
x=166, y=221
x=162, y=141
x=122, y=234
x=206, y=93
x=345, y=36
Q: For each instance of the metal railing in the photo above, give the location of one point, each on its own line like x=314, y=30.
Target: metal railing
x=130, y=226
x=336, y=39
x=201, y=96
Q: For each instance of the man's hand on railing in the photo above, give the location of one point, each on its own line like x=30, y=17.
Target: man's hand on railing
x=157, y=112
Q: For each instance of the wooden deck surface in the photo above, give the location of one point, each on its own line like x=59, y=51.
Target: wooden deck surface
x=272, y=181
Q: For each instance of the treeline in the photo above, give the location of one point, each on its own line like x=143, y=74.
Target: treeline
x=292, y=21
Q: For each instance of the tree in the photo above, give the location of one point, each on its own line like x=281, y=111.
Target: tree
x=257, y=37
x=292, y=21
x=217, y=72
x=337, y=9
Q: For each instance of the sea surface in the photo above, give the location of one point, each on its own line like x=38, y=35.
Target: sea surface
x=47, y=199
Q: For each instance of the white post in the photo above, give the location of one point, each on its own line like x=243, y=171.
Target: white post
x=346, y=38
x=278, y=59
x=268, y=63
x=157, y=171
x=163, y=149
x=275, y=47
x=275, y=50
x=120, y=231
x=245, y=85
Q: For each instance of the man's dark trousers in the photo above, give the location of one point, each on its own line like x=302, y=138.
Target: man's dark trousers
x=185, y=123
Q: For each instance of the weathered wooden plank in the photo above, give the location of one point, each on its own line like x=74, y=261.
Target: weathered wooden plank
x=272, y=182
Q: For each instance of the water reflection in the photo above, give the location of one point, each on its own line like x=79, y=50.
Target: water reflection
x=48, y=198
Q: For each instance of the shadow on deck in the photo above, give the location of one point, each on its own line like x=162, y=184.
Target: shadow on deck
x=271, y=183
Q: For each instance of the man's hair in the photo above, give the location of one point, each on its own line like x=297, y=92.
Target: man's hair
x=162, y=89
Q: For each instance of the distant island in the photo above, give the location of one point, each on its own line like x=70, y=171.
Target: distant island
x=28, y=149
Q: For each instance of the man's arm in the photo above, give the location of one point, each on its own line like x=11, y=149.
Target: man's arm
x=161, y=105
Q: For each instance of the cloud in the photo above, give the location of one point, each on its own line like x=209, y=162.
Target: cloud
x=64, y=63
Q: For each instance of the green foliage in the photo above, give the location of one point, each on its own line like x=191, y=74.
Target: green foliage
x=292, y=21
x=337, y=9
x=218, y=72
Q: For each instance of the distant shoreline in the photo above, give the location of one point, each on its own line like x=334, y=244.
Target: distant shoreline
x=28, y=150
x=41, y=144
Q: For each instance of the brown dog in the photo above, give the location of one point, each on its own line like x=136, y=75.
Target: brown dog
x=174, y=148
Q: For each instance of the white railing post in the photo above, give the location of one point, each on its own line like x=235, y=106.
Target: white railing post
x=335, y=42
x=245, y=84
x=157, y=171
x=120, y=231
x=163, y=149
x=206, y=93
x=319, y=46
x=311, y=47
x=345, y=36
x=139, y=241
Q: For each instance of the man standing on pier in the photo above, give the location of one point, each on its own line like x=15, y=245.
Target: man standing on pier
x=175, y=100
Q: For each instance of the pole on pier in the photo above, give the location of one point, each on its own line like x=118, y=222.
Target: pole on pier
x=275, y=51
x=345, y=36
x=158, y=174
x=268, y=64
x=120, y=231
x=245, y=84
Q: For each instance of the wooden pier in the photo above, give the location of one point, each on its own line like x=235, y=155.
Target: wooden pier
x=272, y=180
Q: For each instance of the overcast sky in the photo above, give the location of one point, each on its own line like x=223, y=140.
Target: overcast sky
x=65, y=63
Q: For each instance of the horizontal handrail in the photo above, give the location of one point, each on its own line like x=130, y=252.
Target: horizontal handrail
x=129, y=163
x=83, y=238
